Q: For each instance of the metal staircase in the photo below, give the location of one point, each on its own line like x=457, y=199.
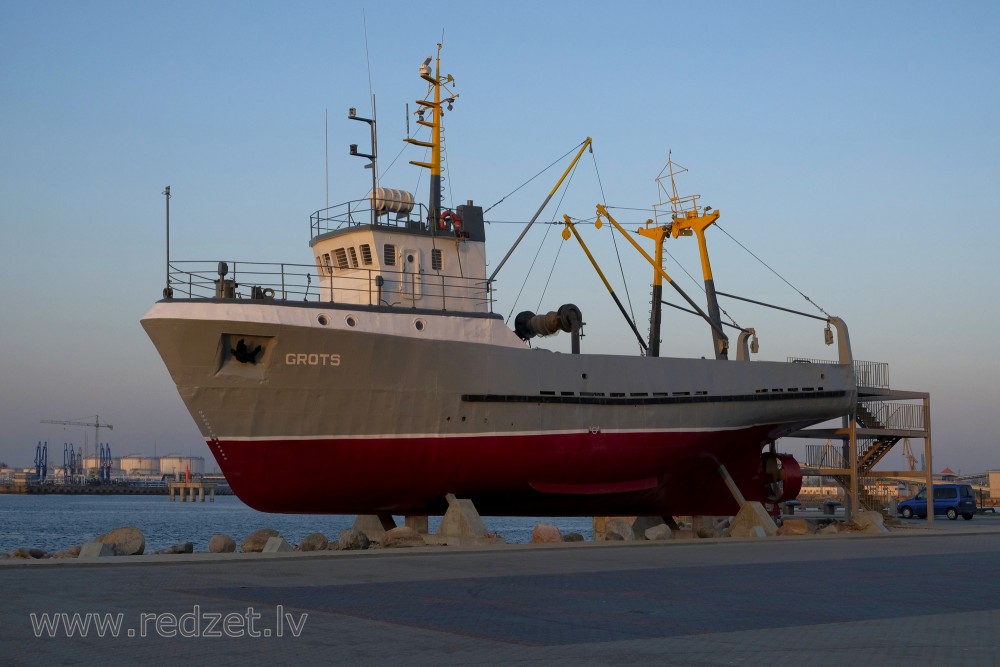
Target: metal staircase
x=881, y=418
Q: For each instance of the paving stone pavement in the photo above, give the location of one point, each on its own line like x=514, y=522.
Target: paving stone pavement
x=927, y=597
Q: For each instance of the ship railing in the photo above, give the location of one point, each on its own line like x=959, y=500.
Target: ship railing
x=264, y=281
x=871, y=374
x=359, y=212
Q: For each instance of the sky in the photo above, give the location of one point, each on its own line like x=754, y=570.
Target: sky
x=851, y=146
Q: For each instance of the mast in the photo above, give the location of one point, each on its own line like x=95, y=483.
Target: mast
x=688, y=218
x=433, y=102
x=658, y=234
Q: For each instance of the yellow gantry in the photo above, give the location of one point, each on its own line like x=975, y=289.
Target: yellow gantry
x=719, y=334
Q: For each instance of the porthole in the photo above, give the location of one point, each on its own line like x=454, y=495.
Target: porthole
x=351, y=322
x=418, y=325
x=322, y=319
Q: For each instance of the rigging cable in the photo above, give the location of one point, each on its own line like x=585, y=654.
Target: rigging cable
x=560, y=159
x=548, y=226
x=700, y=286
x=816, y=305
x=628, y=295
x=559, y=249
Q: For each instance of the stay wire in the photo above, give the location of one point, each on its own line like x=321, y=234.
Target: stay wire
x=700, y=286
x=614, y=241
x=548, y=226
x=816, y=305
x=559, y=250
x=560, y=159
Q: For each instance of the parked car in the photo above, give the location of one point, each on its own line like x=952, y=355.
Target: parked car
x=951, y=500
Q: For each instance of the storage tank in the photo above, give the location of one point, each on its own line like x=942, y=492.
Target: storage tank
x=391, y=200
x=173, y=464
x=94, y=462
x=139, y=464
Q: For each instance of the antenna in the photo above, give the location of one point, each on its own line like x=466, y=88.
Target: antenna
x=326, y=140
x=168, y=292
x=368, y=59
x=407, y=119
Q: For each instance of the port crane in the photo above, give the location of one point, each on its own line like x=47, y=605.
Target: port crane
x=96, y=425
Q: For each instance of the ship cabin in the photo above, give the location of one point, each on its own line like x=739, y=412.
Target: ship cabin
x=385, y=251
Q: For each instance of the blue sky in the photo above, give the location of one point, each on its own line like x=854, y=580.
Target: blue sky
x=851, y=145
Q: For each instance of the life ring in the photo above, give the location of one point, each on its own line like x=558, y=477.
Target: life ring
x=449, y=217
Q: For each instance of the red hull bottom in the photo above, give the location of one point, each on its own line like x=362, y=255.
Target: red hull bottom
x=577, y=474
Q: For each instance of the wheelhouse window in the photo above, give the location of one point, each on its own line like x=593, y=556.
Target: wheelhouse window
x=437, y=262
x=327, y=263
x=341, y=256
x=389, y=254
x=354, y=257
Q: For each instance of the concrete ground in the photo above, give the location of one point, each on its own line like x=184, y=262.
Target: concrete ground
x=917, y=596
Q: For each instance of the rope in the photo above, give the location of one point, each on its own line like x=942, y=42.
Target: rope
x=816, y=305
x=533, y=177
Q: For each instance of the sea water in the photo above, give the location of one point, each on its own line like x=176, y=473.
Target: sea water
x=57, y=522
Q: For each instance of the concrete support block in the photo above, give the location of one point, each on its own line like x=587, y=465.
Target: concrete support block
x=417, y=523
x=374, y=525
x=751, y=517
x=96, y=550
x=276, y=545
x=462, y=524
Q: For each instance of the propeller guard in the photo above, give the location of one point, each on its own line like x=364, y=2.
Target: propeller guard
x=782, y=477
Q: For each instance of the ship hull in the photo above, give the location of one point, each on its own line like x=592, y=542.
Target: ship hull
x=338, y=410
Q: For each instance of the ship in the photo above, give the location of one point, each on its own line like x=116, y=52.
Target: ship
x=378, y=378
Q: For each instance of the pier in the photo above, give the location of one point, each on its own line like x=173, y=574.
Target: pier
x=187, y=490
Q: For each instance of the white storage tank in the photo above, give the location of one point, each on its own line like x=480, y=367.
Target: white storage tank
x=139, y=464
x=173, y=464
x=94, y=462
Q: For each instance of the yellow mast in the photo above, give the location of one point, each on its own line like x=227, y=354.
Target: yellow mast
x=437, y=84
x=688, y=218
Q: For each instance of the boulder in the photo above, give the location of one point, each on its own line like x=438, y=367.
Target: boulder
x=182, y=548
x=545, y=533
x=314, y=542
x=64, y=554
x=255, y=541
x=828, y=529
x=573, y=537
x=620, y=526
x=127, y=541
x=658, y=533
x=794, y=527
x=613, y=537
x=221, y=544
x=25, y=552
x=403, y=536
x=352, y=539
x=74, y=550
x=275, y=545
